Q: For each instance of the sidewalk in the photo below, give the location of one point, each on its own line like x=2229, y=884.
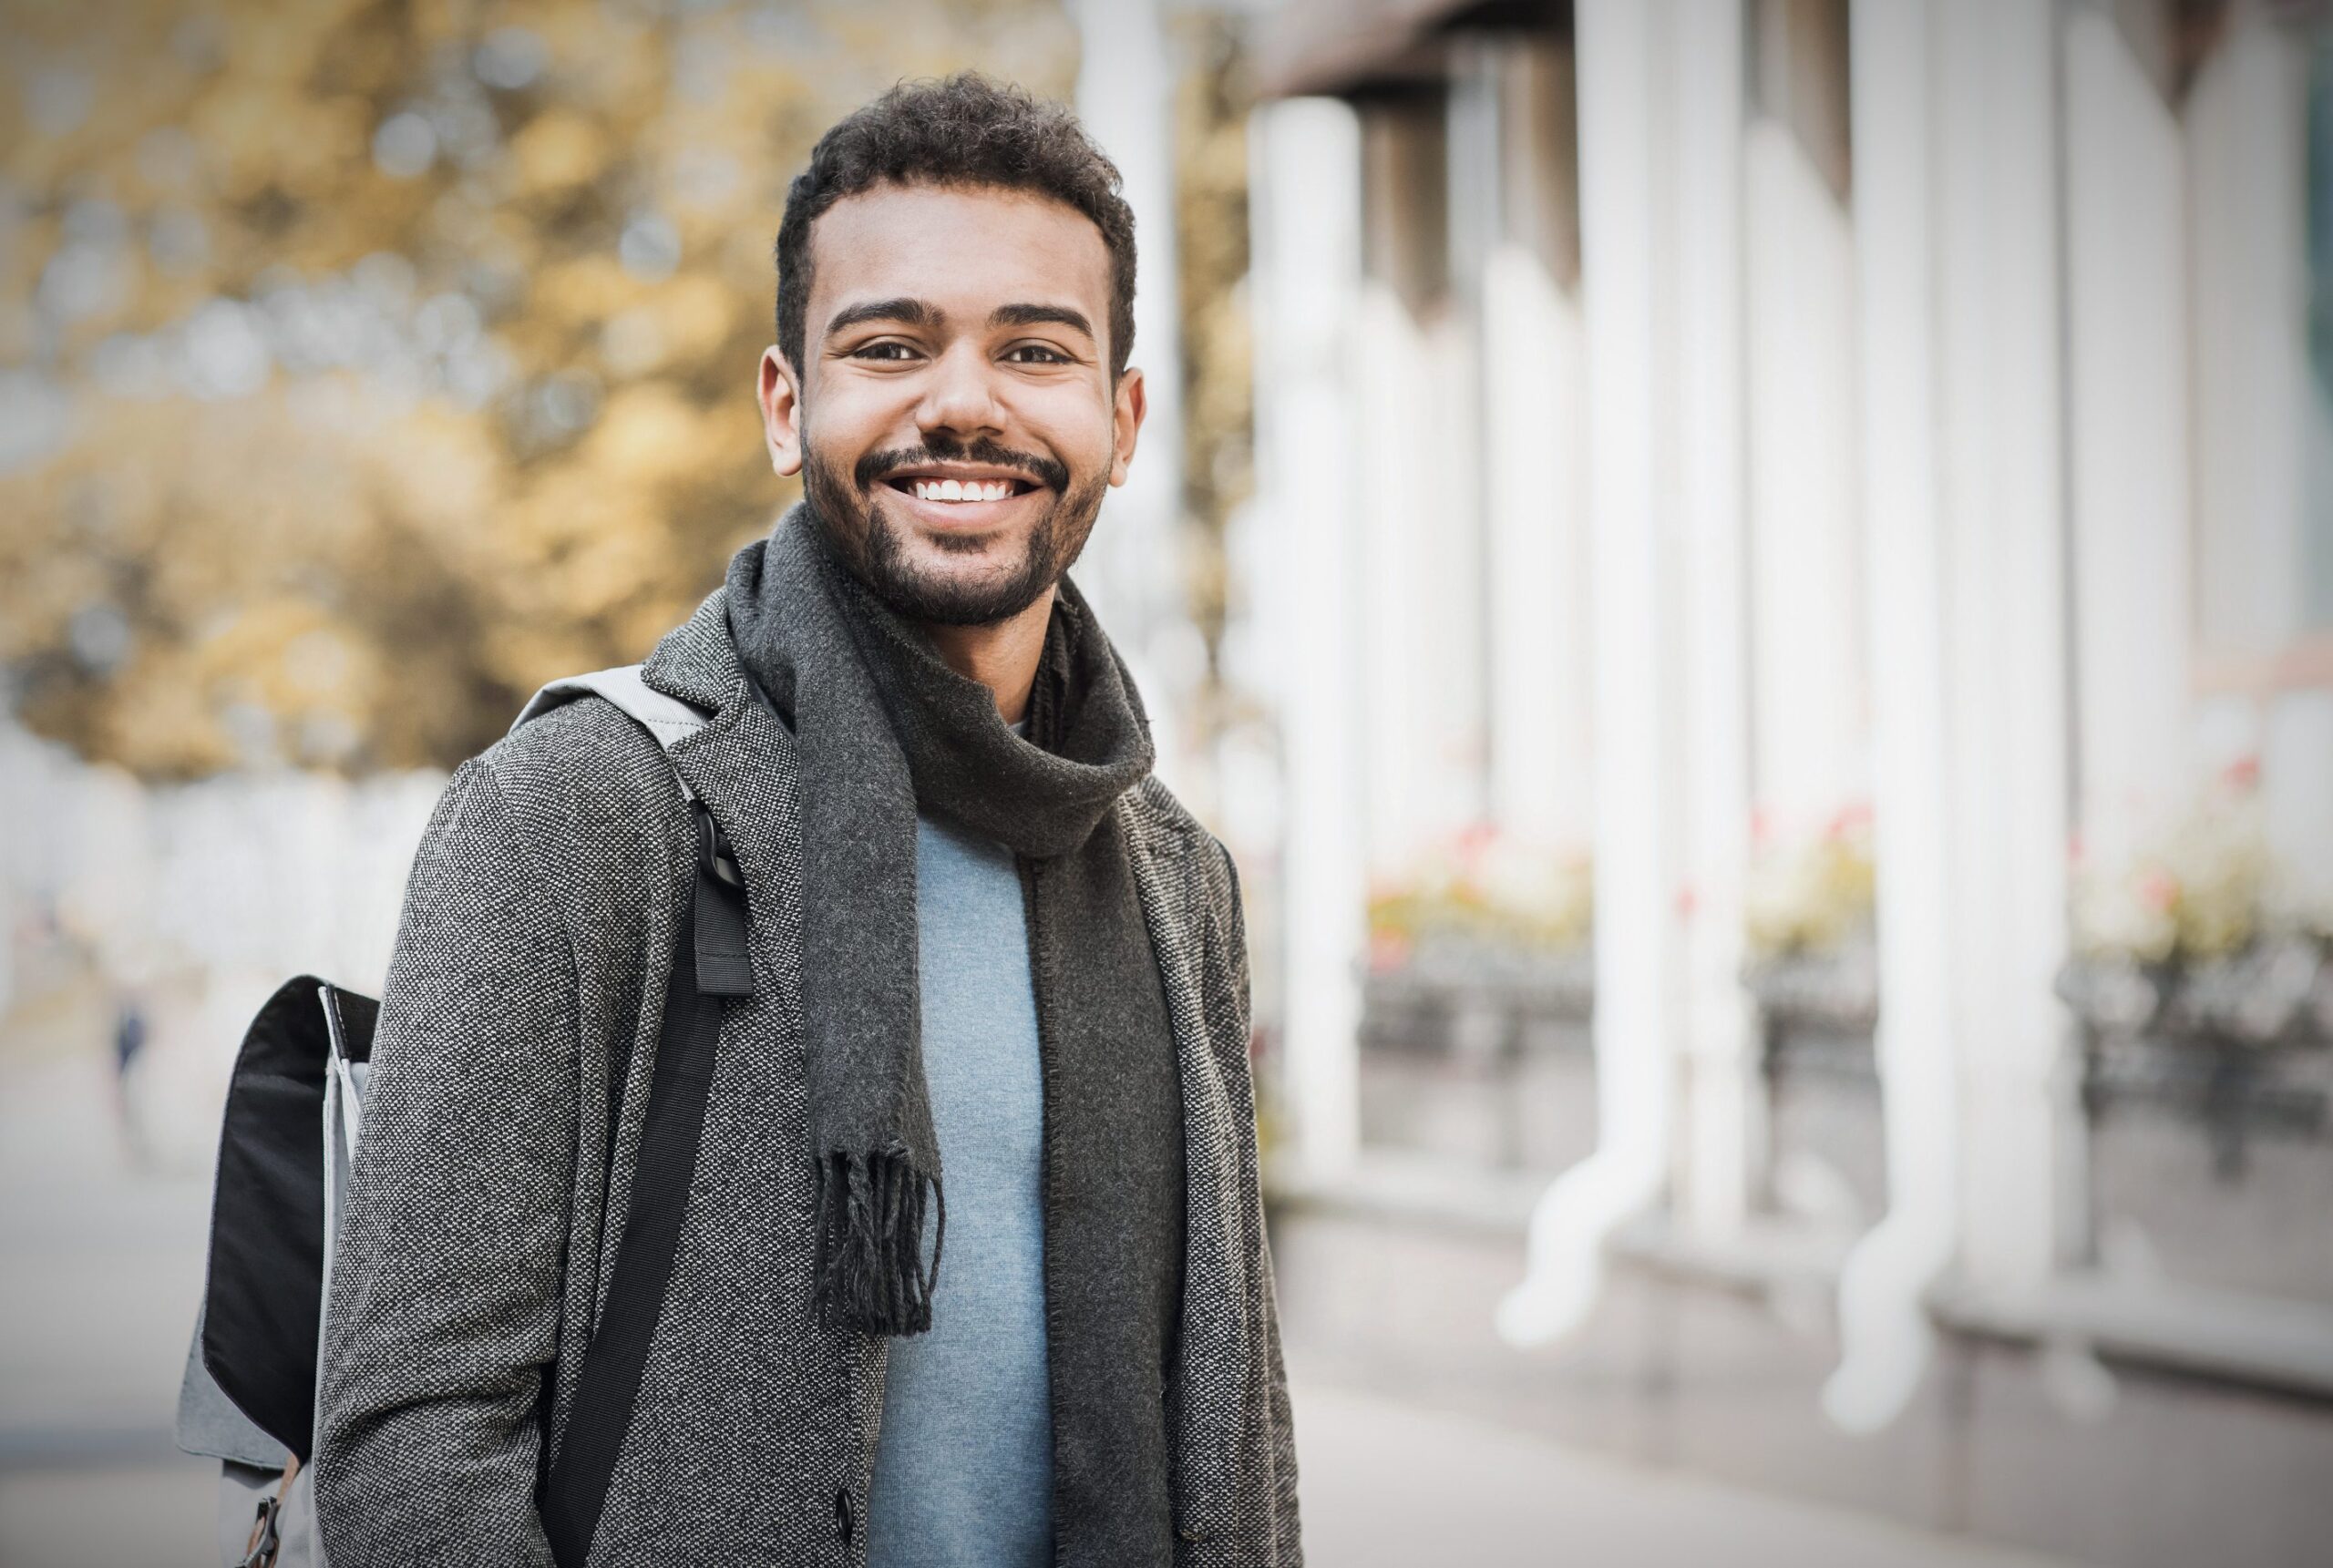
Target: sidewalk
x=101, y=1267
x=1386, y=1485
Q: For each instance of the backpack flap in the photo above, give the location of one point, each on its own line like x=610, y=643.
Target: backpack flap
x=209, y=1423
x=264, y=1299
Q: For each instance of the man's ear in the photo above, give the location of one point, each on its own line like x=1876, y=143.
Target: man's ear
x=1129, y=404
x=780, y=396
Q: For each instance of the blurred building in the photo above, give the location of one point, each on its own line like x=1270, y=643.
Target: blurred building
x=1799, y=569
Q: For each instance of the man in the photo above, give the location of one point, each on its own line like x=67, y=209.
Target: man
x=972, y=1270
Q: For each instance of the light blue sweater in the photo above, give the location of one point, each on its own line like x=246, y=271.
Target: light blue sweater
x=963, y=1467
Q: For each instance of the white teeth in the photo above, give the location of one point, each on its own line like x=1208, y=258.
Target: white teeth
x=962, y=490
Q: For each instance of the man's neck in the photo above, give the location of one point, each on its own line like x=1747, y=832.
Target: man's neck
x=1002, y=655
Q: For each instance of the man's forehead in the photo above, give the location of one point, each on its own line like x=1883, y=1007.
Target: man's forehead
x=964, y=248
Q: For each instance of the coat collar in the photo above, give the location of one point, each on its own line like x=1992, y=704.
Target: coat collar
x=697, y=662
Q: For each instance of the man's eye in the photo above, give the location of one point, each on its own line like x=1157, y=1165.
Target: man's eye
x=891, y=351
x=1043, y=354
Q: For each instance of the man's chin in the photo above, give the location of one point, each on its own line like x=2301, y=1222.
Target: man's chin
x=930, y=602
x=957, y=544
x=955, y=580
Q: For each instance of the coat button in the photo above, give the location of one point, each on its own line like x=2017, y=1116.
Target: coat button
x=843, y=1520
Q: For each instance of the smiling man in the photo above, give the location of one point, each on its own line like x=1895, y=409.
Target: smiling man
x=937, y=1245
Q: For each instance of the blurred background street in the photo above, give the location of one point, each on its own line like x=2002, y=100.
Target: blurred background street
x=1749, y=583
x=104, y=1266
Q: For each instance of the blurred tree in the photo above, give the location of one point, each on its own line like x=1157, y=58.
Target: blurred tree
x=365, y=362
x=1213, y=97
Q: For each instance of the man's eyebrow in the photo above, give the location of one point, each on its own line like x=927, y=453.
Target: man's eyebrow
x=914, y=312
x=1033, y=315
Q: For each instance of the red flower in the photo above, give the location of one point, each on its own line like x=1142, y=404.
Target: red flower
x=1847, y=819
x=2159, y=891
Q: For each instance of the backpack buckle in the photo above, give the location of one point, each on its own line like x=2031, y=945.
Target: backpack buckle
x=267, y=1536
x=725, y=965
x=715, y=856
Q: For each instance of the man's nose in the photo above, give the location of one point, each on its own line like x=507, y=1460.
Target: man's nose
x=960, y=396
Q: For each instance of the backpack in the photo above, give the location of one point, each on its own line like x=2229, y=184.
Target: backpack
x=295, y=1106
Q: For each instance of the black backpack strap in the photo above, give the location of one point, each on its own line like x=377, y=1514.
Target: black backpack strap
x=712, y=964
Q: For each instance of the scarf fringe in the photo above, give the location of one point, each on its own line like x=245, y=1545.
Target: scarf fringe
x=870, y=1273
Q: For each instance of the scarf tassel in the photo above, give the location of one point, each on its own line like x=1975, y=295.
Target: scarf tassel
x=871, y=1276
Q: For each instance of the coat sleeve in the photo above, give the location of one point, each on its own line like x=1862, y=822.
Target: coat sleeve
x=1287, y=1534
x=447, y=1278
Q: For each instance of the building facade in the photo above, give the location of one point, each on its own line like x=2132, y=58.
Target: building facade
x=1850, y=484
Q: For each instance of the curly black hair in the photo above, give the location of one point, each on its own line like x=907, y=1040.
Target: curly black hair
x=962, y=130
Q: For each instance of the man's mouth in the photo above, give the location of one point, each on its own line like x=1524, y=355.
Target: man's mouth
x=924, y=488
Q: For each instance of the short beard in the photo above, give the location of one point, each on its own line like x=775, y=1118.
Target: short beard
x=863, y=537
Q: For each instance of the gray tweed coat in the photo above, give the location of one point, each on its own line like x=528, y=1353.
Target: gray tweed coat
x=485, y=1207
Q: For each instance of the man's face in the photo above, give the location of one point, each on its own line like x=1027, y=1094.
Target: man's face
x=954, y=419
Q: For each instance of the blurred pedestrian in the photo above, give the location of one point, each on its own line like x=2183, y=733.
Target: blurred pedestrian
x=129, y=1031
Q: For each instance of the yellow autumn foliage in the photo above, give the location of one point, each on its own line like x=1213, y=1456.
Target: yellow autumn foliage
x=362, y=365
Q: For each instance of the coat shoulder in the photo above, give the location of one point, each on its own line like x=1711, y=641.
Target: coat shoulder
x=1155, y=811
x=587, y=749
x=590, y=789
x=1156, y=814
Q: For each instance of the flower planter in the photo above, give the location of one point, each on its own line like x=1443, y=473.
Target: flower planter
x=2207, y=1091
x=1480, y=1054
x=1817, y=1016
x=2229, y=1044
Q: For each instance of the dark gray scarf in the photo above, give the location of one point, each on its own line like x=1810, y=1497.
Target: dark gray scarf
x=885, y=727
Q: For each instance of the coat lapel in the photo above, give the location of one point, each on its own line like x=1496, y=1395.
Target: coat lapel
x=1215, y=1337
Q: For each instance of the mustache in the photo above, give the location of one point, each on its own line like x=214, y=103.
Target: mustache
x=875, y=466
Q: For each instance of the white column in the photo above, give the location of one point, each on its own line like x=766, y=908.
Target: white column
x=1398, y=418
x=2005, y=484
x=1132, y=566
x=1626, y=130
x=1807, y=657
x=1305, y=219
x=2246, y=118
x=1882, y=1325
x=1956, y=149
x=2263, y=450
x=1535, y=460
x=1450, y=533
x=2127, y=325
x=1721, y=1071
